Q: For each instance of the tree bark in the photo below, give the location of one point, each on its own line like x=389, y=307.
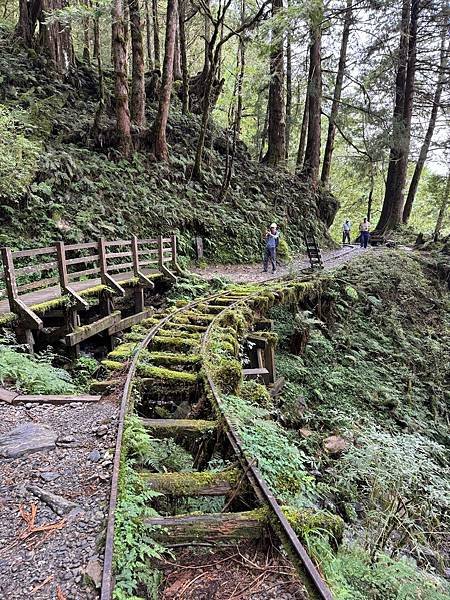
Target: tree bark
x=148, y=38
x=303, y=135
x=138, y=68
x=329, y=146
x=183, y=53
x=288, y=92
x=276, y=133
x=311, y=163
x=156, y=42
x=177, y=74
x=159, y=131
x=442, y=210
x=86, y=40
x=54, y=38
x=119, y=47
x=444, y=54
x=391, y=213
x=28, y=17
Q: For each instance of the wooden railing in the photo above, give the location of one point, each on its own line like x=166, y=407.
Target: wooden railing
x=65, y=265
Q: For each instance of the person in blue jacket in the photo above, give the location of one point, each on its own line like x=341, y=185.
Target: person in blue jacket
x=272, y=238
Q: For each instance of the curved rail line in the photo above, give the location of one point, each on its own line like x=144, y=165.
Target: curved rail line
x=314, y=583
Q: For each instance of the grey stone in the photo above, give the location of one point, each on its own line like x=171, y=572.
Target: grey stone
x=102, y=430
x=94, y=456
x=58, y=504
x=93, y=572
x=25, y=439
x=49, y=476
x=65, y=439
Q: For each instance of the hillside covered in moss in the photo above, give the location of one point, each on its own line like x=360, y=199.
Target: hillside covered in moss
x=58, y=184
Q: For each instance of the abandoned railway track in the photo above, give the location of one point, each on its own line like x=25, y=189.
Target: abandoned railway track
x=176, y=359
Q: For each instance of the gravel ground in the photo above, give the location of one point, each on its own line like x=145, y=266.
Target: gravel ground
x=53, y=563
x=248, y=273
x=242, y=572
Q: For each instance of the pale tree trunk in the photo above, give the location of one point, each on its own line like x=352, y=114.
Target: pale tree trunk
x=177, y=74
x=138, y=68
x=276, y=133
x=288, y=92
x=148, y=31
x=86, y=40
x=183, y=54
x=303, y=135
x=391, y=212
x=119, y=47
x=311, y=162
x=329, y=146
x=101, y=85
x=159, y=131
x=156, y=42
x=442, y=210
x=444, y=54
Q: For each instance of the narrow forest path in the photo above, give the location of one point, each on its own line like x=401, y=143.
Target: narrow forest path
x=253, y=272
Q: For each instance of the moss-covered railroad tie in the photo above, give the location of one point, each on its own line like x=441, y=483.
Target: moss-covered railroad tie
x=193, y=484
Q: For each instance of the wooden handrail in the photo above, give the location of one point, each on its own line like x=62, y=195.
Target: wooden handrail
x=105, y=251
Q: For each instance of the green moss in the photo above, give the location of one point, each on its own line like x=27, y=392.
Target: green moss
x=45, y=307
x=227, y=374
x=134, y=337
x=179, y=333
x=170, y=358
x=112, y=365
x=124, y=351
x=176, y=343
x=7, y=318
x=190, y=484
x=96, y=290
x=307, y=521
x=255, y=393
x=168, y=375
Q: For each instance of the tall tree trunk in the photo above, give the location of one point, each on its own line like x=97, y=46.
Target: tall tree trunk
x=28, y=17
x=183, y=53
x=177, y=74
x=329, y=146
x=311, y=163
x=264, y=133
x=55, y=39
x=148, y=31
x=444, y=54
x=101, y=84
x=442, y=210
x=276, y=149
x=391, y=213
x=86, y=38
x=137, y=105
x=207, y=38
x=159, y=131
x=119, y=47
x=288, y=91
x=303, y=134
x=156, y=43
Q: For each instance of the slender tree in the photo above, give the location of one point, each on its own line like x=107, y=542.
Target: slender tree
x=288, y=91
x=119, y=51
x=303, y=136
x=183, y=55
x=276, y=133
x=311, y=162
x=444, y=54
x=160, y=149
x=391, y=213
x=156, y=42
x=329, y=146
x=442, y=209
x=137, y=106
x=148, y=36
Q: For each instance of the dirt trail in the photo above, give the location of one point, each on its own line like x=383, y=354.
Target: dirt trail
x=249, y=273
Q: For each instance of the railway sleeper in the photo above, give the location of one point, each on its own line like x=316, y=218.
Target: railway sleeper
x=189, y=429
x=193, y=484
x=174, y=343
x=189, y=362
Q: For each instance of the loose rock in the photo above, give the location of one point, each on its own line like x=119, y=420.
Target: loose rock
x=25, y=439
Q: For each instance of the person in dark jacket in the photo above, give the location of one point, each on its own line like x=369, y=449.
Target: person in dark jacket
x=272, y=237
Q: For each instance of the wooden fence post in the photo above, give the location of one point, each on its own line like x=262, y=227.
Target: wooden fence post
x=10, y=278
x=62, y=266
x=135, y=255
x=104, y=275
x=175, y=265
x=162, y=267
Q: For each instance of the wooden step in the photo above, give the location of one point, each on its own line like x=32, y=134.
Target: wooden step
x=193, y=484
x=87, y=331
x=214, y=527
x=188, y=428
x=41, y=399
x=255, y=372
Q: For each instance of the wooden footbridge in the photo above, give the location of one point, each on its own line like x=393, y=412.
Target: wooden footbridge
x=68, y=291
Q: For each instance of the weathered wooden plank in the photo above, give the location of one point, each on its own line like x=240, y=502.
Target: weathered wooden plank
x=192, y=484
x=58, y=399
x=83, y=246
x=36, y=268
x=8, y=395
x=189, y=428
x=82, y=259
x=87, y=331
x=33, y=252
x=131, y=320
x=211, y=527
x=41, y=283
x=254, y=372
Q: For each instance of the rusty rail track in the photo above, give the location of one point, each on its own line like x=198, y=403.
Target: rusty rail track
x=314, y=583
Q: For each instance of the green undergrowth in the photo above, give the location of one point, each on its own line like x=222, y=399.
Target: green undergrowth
x=368, y=365
x=33, y=375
